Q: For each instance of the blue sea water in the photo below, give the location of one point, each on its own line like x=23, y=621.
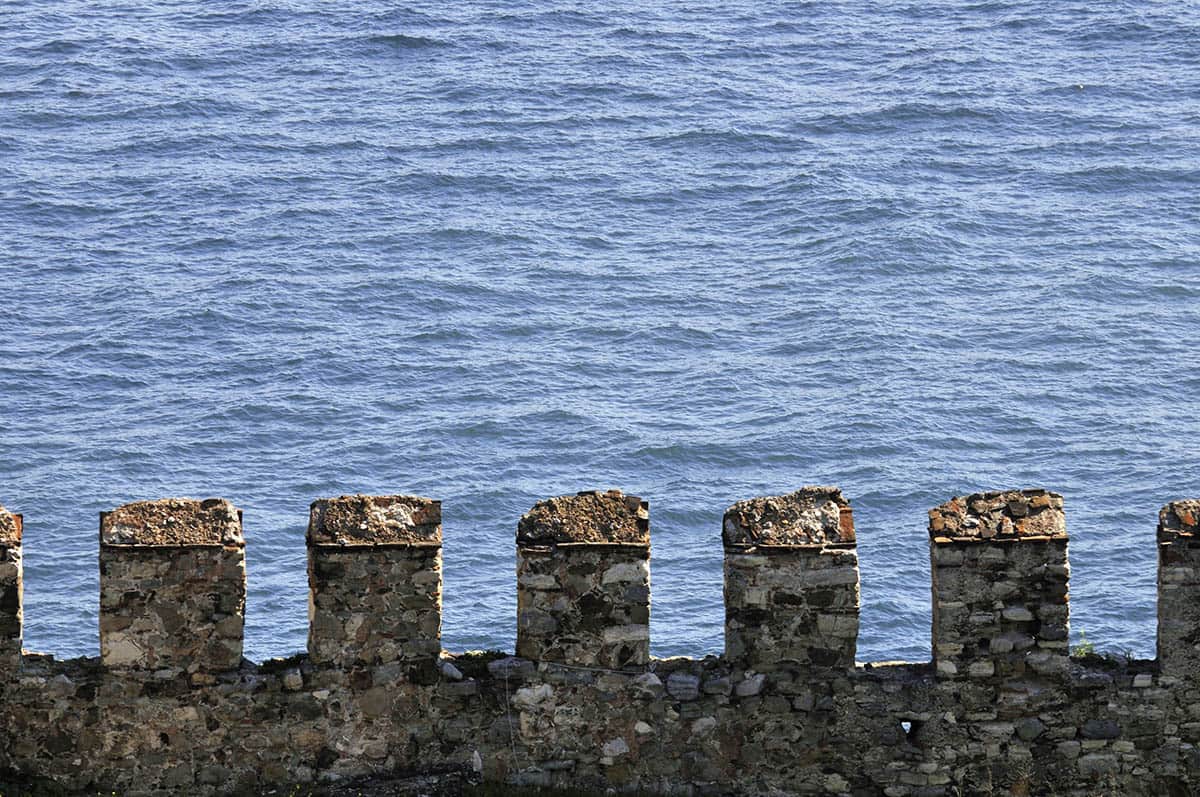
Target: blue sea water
x=492, y=252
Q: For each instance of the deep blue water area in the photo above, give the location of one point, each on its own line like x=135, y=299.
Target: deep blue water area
x=494, y=252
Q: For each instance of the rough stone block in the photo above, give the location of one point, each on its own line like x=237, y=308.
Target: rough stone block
x=375, y=580
x=172, y=586
x=791, y=581
x=583, y=580
x=1000, y=580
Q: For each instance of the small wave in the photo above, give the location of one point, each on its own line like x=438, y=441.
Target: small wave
x=400, y=42
x=1020, y=23
x=52, y=47
x=904, y=114
x=730, y=138
x=1121, y=32
x=1118, y=178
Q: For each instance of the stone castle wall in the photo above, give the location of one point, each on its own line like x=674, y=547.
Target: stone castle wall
x=171, y=706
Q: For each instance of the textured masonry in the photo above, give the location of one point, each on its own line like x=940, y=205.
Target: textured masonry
x=171, y=708
x=172, y=587
x=1000, y=573
x=11, y=585
x=583, y=580
x=791, y=581
x=375, y=581
x=1179, y=589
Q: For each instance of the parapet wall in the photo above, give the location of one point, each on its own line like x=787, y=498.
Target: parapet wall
x=172, y=707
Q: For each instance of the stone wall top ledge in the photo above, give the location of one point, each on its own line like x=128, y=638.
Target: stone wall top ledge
x=173, y=522
x=1032, y=514
x=375, y=520
x=10, y=527
x=751, y=549
x=587, y=518
x=811, y=517
x=1179, y=519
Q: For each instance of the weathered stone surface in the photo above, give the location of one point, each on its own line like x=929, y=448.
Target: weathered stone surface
x=1098, y=764
x=1030, y=729
x=796, y=606
x=512, y=668
x=375, y=583
x=683, y=686
x=1016, y=718
x=173, y=522
x=1000, y=586
x=999, y=516
x=718, y=685
x=1178, y=518
x=352, y=520
x=1178, y=589
x=11, y=592
x=10, y=528
x=172, y=608
x=595, y=517
x=587, y=602
x=528, y=698
x=648, y=686
x=751, y=686
x=172, y=586
x=809, y=516
x=374, y=605
x=293, y=679
x=82, y=725
x=1100, y=729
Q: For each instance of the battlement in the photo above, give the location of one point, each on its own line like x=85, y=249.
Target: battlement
x=791, y=581
x=583, y=580
x=1000, y=608
x=172, y=705
x=375, y=581
x=172, y=586
x=1179, y=588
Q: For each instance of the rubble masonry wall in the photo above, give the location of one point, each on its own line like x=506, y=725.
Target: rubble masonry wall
x=171, y=706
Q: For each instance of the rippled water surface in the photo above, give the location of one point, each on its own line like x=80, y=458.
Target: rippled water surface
x=493, y=252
